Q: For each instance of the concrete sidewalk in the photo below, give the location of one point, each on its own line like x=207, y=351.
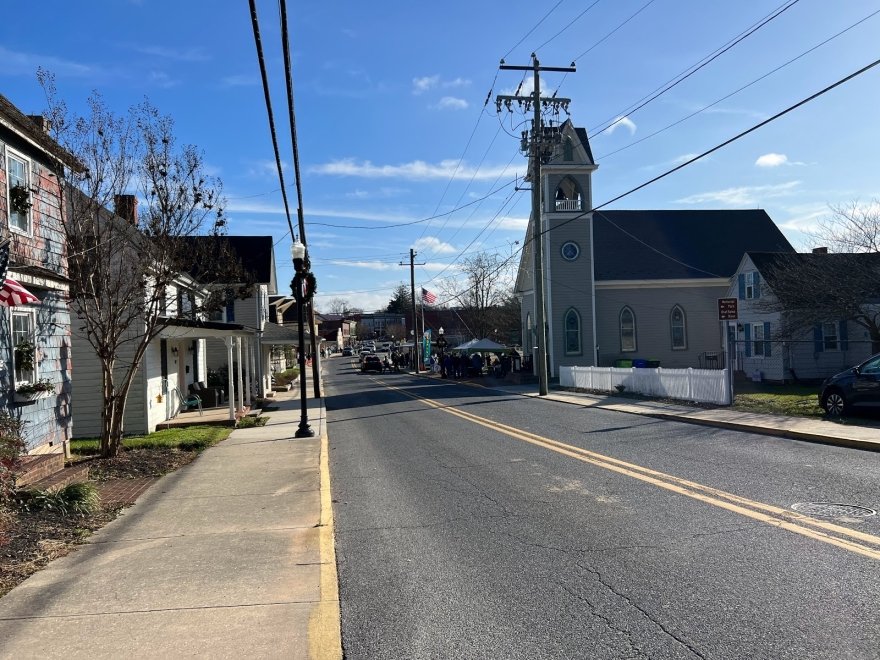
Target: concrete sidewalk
x=231, y=556
x=860, y=434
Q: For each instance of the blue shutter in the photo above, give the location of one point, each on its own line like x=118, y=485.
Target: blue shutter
x=756, y=279
x=818, y=345
x=742, y=286
x=844, y=339
x=766, y=337
x=748, y=328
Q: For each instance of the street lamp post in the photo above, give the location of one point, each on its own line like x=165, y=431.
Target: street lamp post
x=298, y=251
x=441, y=344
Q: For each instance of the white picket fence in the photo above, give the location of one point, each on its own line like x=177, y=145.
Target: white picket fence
x=703, y=385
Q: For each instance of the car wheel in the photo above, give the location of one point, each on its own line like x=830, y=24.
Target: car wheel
x=834, y=404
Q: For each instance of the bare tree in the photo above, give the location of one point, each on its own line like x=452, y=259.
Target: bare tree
x=122, y=270
x=809, y=289
x=483, y=297
x=338, y=306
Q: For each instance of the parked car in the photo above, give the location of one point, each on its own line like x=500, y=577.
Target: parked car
x=858, y=387
x=371, y=363
x=347, y=352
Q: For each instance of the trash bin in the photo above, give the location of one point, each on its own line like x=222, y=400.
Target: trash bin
x=640, y=364
x=653, y=364
x=623, y=364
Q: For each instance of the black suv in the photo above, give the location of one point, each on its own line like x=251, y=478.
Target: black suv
x=858, y=387
x=371, y=363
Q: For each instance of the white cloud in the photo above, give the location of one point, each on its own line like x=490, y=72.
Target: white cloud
x=433, y=244
x=622, y=121
x=417, y=170
x=163, y=80
x=426, y=83
x=177, y=54
x=376, y=193
x=771, y=160
x=743, y=195
x=240, y=80
x=266, y=169
x=451, y=103
x=513, y=224
x=17, y=63
x=423, y=84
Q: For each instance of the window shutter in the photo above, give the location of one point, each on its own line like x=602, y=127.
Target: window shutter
x=818, y=345
x=742, y=286
x=756, y=278
x=844, y=339
x=766, y=336
x=748, y=329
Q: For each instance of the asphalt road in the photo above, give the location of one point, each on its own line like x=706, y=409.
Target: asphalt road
x=471, y=523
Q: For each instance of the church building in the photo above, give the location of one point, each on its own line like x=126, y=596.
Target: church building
x=629, y=285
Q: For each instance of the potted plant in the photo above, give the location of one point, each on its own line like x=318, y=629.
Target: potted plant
x=20, y=199
x=30, y=392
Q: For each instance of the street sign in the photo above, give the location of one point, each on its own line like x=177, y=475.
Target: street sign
x=727, y=310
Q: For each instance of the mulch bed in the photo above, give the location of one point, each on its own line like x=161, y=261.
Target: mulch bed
x=30, y=539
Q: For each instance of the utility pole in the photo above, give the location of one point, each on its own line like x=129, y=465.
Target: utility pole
x=412, y=286
x=539, y=147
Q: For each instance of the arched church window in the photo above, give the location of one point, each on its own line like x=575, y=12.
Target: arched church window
x=567, y=150
x=572, y=327
x=568, y=195
x=627, y=330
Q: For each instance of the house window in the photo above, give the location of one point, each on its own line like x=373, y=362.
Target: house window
x=830, y=336
x=24, y=354
x=678, y=329
x=627, y=330
x=572, y=332
x=528, y=333
x=18, y=174
x=758, y=339
x=750, y=286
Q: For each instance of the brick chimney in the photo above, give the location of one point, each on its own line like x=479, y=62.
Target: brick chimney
x=43, y=123
x=126, y=207
x=820, y=250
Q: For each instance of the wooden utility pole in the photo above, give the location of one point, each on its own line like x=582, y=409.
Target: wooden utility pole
x=538, y=148
x=415, y=326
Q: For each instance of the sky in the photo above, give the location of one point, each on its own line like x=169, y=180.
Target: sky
x=393, y=129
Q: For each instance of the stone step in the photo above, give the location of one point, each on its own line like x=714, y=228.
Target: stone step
x=75, y=474
x=38, y=467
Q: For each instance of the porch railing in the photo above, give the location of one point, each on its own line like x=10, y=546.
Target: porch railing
x=568, y=205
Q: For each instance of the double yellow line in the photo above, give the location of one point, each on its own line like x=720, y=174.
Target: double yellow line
x=848, y=539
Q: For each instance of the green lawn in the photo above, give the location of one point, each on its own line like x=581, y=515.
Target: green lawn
x=188, y=438
x=792, y=400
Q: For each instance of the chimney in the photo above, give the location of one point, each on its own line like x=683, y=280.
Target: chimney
x=43, y=123
x=126, y=207
x=820, y=250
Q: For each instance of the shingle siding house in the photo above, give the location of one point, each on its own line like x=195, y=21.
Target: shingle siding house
x=29, y=159
x=626, y=285
x=829, y=347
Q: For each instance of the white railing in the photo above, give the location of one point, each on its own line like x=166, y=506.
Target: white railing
x=568, y=205
x=703, y=385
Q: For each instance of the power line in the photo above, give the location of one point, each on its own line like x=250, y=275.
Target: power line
x=738, y=90
x=259, y=44
x=692, y=69
x=535, y=27
x=570, y=23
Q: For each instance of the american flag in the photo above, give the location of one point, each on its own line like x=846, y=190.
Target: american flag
x=427, y=297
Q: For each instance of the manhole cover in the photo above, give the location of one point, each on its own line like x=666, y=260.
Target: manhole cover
x=833, y=510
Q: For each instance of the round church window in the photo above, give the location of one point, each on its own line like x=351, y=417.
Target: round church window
x=570, y=250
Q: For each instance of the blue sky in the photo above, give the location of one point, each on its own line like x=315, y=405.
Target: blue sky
x=392, y=129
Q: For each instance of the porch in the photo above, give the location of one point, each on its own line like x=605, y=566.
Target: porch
x=218, y=416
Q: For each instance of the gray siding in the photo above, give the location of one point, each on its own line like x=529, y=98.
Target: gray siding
x=652, y=307
x=569, y=286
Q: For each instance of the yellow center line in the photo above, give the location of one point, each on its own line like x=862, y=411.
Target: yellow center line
x=766, y=513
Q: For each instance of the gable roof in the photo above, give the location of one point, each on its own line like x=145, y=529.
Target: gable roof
x=16, y=120
x=680, y=244
x=767, y=262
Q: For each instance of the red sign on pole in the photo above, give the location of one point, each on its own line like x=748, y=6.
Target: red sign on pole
x=727, y=310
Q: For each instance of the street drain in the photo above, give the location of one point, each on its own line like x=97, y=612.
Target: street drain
x=833, y=510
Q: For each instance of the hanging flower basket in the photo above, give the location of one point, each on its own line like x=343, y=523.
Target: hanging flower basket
x=20, y=199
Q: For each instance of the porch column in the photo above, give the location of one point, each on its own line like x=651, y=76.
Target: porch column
x=230, y=386
x=247, y=370
x=238, y=374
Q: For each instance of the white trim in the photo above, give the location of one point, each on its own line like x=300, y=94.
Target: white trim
x=663, y=284
x=28, y=166
x=595, y=338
